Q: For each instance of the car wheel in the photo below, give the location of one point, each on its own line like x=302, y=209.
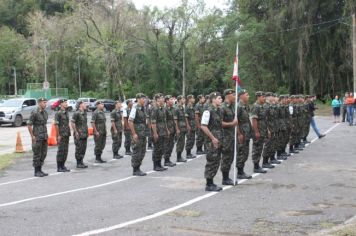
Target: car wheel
x=18, y=121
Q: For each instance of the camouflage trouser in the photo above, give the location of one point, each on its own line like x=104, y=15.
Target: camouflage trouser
x=100, y=142
x=242, y=154
x=294, y=134
x=180, y=142
x=213, y=159
x=138, y=151
x=158, y=149
x=127, y=139
x=301, y=126
x=116, y=142
x=227, y=153
x=306, y=128
x=270, y=146
x=39, y=149
x=149, y=137
x=287, y=137
x=80, y=148
x=168, y=146
x=190, y=140
x=257, y=148
x=200, y=138
x=281, y=140
x=62, y=151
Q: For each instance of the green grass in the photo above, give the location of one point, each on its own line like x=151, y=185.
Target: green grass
x=7, y=159
x=323, y=109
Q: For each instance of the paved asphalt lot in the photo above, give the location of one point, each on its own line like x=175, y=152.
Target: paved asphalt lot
x=311, y=191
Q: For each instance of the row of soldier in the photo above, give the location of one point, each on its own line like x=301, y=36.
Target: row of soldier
x=272, y=123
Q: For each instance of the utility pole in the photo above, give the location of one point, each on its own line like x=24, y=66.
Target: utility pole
x=183, y=71
x=79, y=82
x=55, y=74
x=354, y=48
x=15, y=81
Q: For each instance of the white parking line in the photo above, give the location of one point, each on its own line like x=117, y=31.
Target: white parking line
x=166, y=211
x=73, y=190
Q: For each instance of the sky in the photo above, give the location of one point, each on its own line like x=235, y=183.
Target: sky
x=161, y=4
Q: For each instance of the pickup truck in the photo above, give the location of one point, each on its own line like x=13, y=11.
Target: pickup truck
x=16, y=111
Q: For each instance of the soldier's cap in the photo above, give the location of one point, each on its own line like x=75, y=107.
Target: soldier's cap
x=281, y=96
x=242, y=92
x=158, y=95
x=293, y=96
x=62, y=100
x=214, y=95
x=140, y=95
x=180, y=97
x=117, y=101
x=99, y=102
x=190, y=96
x=259, y=94
x=200, y=96
x=228, y=92
x=167, y=97
x=268, y=94
x=41, y=99
x=275, y=95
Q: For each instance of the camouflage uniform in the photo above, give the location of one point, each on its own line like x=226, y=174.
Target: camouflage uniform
x=148, y=129
x=99, y=119
x=306, y=126
x=190, y=115
x=158, y=117
x=228, y=140
x=169, y=141
x=138, y=117
x=288, y=121
x=213, y=156
x=180, y=117
x=199, y=109
x=294, y=124
x=62, y=120
x=244, y=125
x=127, y=131
x=282, y=133
x=273, y=127
x=116, y=117
x=258, y=112
x=38, y=120
x=79, y=118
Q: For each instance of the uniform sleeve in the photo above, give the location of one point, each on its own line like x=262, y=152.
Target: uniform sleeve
x=112, y=115
x=74, y=117
x=56, y=118
x=238, y=112
x=154, y=116
x=196, y=110
x=32, y=118
x=94, y=117
x=205, y=118
x=132, y=114
x=254, y=112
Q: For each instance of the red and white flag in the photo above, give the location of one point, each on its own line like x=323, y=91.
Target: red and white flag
x=235, y=74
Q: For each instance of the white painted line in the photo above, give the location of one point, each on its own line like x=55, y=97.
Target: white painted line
x=23, y=180
x=73, y=190
x=169, y=210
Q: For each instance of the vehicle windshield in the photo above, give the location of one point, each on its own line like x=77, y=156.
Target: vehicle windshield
x=12, y=103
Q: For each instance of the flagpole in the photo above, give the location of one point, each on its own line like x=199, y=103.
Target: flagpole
x=236, y=101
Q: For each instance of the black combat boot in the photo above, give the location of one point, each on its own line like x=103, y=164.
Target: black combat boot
x=200, y=151
x=38, y=173
x=258, y=169
x=81, y=165
x=64, y=167
x=167, y=162
x=190, y=155
x=60, y=167
x=158, y=167
x=179, y=157
x=291, y=150
x=226, y=179
x=211, y=187
x=242, y=175
x=128, y=152
x=284, y=153
x=117, y=156
x=274, y=161
x=265, y=163
x=44, y=174
x=99, y=160
x=138, y=172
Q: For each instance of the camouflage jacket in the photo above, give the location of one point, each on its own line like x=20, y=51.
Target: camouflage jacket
x=38, y=120
x=62, y=120
x=79, y=118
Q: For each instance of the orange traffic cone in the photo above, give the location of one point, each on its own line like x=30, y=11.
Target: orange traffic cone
x=19, y=146
x=52, y=139
x=90, y=131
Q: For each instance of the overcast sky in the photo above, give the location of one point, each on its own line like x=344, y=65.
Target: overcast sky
x=172, y=3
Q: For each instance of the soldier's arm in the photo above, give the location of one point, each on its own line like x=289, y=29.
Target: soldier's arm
x=74, y=127
x=228, y=124
x=29, y=127
x=176, y=122
x=93, y=119
x=254, y=116
x=153, y=123
x=204, y=127
x=56, y=122
x=197, y=119
x=112, y=118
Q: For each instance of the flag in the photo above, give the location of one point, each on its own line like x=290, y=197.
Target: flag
x=235, y=74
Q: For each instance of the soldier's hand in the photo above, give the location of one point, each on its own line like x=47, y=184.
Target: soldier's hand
x=178, y=132
x=97, y=134
x=257, y=135
x=135, y=137
x=33, y=139
x=155, y=137
x=115, y=132
x=189, y=129
x=58, y=139
x=241, y=138
x=215, y=143
x=234, y=122
x=269, y=134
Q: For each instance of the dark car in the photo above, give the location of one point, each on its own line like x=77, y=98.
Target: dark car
x=109, y=104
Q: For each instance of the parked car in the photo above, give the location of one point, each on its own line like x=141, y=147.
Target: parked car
x=89, y=101
x=16, y=111
x=72, y=105
x=1, y=101
x=109, y=104
x=53, y=104
x=124, y=104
